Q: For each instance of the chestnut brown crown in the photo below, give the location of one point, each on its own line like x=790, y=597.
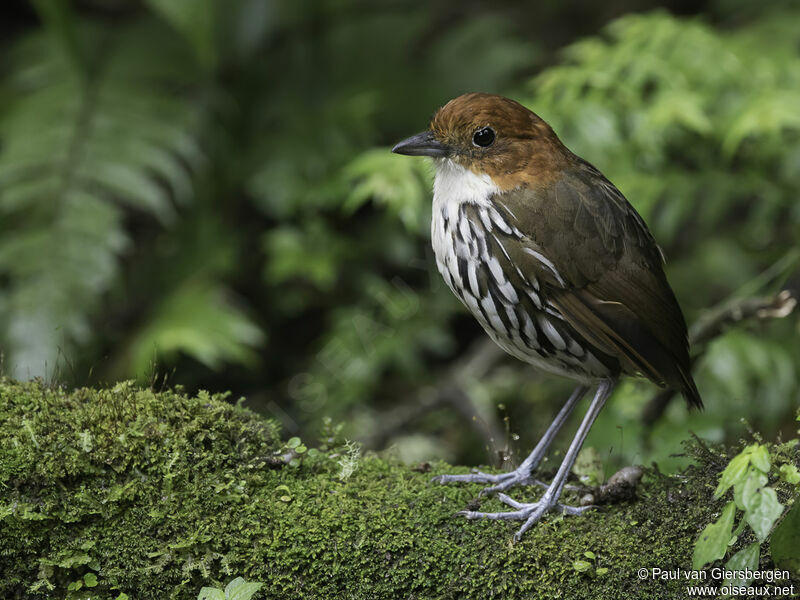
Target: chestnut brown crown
x=492, y=135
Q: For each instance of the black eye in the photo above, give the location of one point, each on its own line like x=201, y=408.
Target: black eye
x=483, y=137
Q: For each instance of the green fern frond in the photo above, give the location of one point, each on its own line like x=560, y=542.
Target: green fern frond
x=78, y=145
x=199, y=319
x=402, y=187
x=644, y=104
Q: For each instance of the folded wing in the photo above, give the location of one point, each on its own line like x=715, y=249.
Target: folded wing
x=607, y=276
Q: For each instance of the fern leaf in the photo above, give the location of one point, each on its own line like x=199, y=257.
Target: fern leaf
x=79, y=146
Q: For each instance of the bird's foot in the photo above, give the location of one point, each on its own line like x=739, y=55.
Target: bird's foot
x=501, y=481
x=531, y=513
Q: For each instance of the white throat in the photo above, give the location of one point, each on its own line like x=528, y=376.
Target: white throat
x=454, y=185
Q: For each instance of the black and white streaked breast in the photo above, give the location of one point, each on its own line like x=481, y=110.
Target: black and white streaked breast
x=470, y=233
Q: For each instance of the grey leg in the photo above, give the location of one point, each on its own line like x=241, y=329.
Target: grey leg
x=522, y=474
x=531, y=513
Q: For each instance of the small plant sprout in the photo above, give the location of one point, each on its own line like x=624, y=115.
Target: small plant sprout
x=285, y=493
x=238, y=589
x=587, y=565
x=296, y=449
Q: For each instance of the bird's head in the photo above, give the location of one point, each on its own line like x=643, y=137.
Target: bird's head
x=492, y=136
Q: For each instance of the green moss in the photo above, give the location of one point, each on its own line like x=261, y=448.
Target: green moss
x=160, y=494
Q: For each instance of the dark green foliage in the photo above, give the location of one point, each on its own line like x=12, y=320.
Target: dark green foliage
x=202, y=190
x=157, y=494
x=81, y=144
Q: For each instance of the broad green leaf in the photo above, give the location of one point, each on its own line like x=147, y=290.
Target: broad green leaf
x=734, y=473
x=243, y=591
x=784, y=547
x=713, y=541
x=760, y=458
x=209, y=593
x=764, y=509
x=581, y=565
x=746, y=558
x=745, y=491
x=232, y=585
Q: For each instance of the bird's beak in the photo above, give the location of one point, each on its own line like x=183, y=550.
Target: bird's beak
x=422, y=144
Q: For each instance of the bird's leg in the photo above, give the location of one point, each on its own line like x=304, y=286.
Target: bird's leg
x=521, y=474
x=531, y=513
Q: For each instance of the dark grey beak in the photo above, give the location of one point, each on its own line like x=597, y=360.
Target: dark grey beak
x=422, y=144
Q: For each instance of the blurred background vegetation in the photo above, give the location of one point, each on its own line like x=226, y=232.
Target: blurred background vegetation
x=200, y=193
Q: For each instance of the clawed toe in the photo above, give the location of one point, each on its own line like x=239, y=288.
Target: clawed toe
x=531, y=513
x=510, y=480
x=501, y=481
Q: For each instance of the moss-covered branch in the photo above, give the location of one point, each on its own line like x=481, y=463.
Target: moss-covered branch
x=158, y=494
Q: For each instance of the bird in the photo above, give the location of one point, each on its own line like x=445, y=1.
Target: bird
x=557, y=267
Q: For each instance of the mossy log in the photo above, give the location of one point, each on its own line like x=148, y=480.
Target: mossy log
x=156, y=494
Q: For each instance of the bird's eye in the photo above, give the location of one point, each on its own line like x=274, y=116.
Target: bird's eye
x=483, y=137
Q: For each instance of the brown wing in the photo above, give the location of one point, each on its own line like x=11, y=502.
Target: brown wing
x=607, y=276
